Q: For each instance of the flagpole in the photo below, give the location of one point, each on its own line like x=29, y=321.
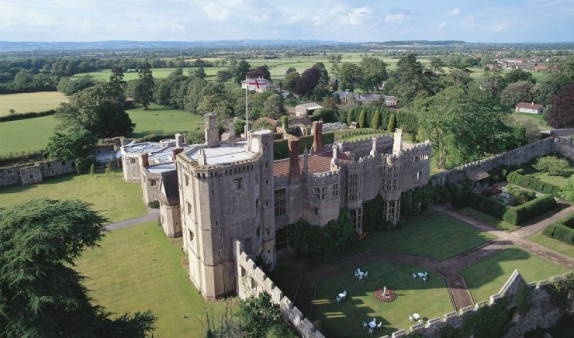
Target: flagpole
x=246, y=106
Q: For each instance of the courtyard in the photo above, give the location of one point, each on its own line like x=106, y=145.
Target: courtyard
x=465, y=265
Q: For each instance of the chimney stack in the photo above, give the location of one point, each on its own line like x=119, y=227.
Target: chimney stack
x=317, y=137
x=175, y=152
x=294, y=170
x=144, y=160
x=178, y=140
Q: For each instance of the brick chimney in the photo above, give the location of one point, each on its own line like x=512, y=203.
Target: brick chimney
x=294, y=170
x=317, y=137
x=175, y=152
x=144, y=160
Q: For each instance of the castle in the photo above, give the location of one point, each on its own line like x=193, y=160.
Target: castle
x=217, y=193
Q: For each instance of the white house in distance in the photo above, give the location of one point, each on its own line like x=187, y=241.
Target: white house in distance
x=259, y=85
x=530, y=108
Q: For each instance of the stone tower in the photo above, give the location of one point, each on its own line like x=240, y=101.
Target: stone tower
x=226, y=194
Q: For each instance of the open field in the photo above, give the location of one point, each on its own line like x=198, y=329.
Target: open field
x=137, y=269
x=30, y=102
x=26, y=135
x=115, y=199
x=345, y=319
x=434, y=235
x=486, y=277
x=33, y=134
x=163, y=120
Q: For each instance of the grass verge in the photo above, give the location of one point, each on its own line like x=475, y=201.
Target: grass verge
x=486, y=277
x=110, y=195
x=137, y=269
x=345, y=319
x=490, y=220
x=551, y=243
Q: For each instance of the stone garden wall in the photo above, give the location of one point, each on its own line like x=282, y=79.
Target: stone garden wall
x=252, y=281
x=543, y=311
x=31, y=174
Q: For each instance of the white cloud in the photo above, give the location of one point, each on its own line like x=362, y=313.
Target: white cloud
x=454, y=12
x=357, y=15
x=395, y=18
x=500, y=27
x=441, y=25
x=216, y=11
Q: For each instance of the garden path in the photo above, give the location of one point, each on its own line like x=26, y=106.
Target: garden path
x=152, y=214
x=511, y=238
x=458, y=289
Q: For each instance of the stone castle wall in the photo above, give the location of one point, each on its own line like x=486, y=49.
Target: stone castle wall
x=516, y=157
x=32, y=174
x=543, y=311
x=253, y=281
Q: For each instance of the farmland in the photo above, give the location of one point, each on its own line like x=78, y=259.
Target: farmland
x=30, y=102
x=33, y=134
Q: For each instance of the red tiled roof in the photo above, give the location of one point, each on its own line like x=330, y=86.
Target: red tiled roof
x=529, y=105
x=317, y=163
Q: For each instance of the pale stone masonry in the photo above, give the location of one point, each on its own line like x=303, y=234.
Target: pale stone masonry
x=216, y=193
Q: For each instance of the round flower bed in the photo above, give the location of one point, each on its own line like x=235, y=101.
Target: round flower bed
x=385, y=298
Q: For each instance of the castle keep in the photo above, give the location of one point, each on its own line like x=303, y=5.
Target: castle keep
x=217, y=193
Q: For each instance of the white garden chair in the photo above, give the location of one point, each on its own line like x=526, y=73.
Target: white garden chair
x=365, y=325
x=380, y=326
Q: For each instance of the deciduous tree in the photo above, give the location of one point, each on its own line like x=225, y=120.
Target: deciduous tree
x=373, y=73
x=562, y=113
x=99, y=110
x=521, y=91
x=143, y=92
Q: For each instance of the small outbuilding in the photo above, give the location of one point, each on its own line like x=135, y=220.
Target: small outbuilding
x=530, y=108
x=306, y=109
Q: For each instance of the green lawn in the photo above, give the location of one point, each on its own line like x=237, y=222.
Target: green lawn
x=551, y=243
x=33, y=134
x=537, y=120
x=115, y=199
x=490, y=220
x=556, y=180
x=486, y=277
x=30, y=102
x=163, y=120
x=345, y=319
x=26, y=135
x=137, y=269
x=434, y=235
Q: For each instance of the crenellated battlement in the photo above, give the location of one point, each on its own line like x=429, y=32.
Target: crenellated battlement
x=516, y=157
x=253, y=281
x=542, y=312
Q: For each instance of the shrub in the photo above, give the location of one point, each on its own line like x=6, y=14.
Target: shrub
x=153, y=204
x=552, y=165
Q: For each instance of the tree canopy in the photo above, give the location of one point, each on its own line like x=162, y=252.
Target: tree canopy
x=99, y=110
x=561, y=115
x=41, y=295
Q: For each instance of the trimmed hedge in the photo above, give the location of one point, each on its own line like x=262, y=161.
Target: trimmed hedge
x=524, y=212
x=514, y=215
x=24, y=116
x=517, y=178
x=562, y=230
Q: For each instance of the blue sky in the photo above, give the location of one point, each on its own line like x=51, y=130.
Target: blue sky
x=353, y=21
